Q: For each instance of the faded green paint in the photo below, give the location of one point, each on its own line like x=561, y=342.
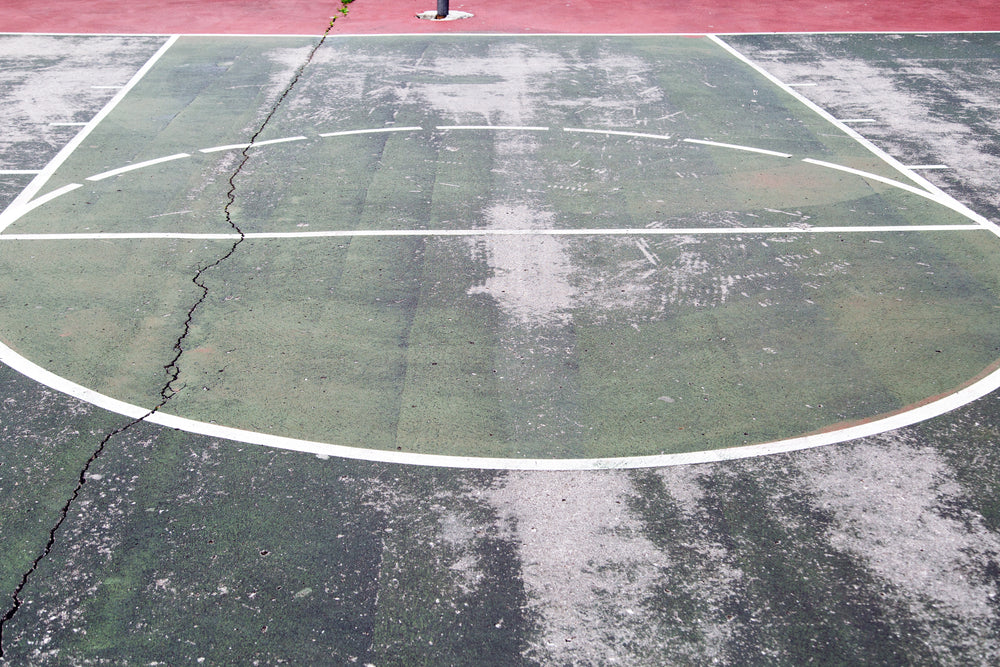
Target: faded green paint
x=497, y=346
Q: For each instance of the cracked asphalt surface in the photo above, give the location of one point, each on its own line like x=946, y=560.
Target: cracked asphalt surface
x=125, y=542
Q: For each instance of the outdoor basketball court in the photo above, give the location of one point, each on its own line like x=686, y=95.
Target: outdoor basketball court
x=322, y=347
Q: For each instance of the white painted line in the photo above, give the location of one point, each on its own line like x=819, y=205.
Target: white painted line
x=737, y=147
x=641, y=135
x=525, y=128
x=975, y=390
x=49, y=379
x=480, y=35
x=388, y=233
x=120, y=236
x=371, y=131
x=17, y=207
x=904, y=418
x=927, y=166
x=253, y=144
x=9, y=172
x=137, y=165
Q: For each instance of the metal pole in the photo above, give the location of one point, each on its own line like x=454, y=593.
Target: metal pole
x=442, y=9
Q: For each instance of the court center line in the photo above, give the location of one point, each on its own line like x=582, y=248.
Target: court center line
x=17, y=206
x=622, y=231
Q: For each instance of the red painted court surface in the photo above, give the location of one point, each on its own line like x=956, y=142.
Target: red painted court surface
x=539, y=16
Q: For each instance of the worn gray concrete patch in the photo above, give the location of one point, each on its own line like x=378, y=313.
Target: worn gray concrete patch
x=890, y=498
x=49, y=81
x=586, y=566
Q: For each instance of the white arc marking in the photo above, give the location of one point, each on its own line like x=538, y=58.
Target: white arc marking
x=17, y=207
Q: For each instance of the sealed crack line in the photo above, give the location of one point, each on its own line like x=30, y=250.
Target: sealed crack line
x=173, y=368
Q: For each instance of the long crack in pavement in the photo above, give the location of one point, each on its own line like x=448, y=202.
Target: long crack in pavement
x=172, y=369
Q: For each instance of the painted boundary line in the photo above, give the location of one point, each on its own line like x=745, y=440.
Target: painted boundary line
x=938, y=197
x=378, y=130
x=749, y=149
x=137, y=165
x=497, y=128
x=244, y=146
x=619, y=133
x=529, y=35
x=906, y=418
